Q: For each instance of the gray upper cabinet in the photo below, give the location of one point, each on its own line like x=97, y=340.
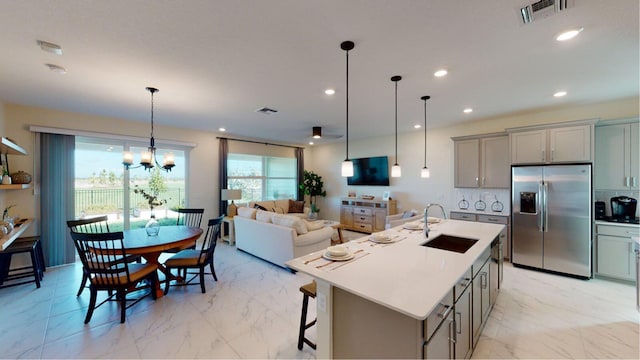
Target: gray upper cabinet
x=482, y=161
x=552, y=145
x=616, y=163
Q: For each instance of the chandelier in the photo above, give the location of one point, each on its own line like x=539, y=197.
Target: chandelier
x=148, y=159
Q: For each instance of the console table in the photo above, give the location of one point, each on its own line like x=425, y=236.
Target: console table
x=365, y=215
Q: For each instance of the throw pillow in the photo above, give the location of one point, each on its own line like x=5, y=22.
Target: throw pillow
x=264, y=216
x=278, y=210
x=260, y=207
x=247, y=212
x=290, y=221
x=314, y=225
x=296, y=206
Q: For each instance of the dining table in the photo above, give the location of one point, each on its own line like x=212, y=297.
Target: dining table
x=137, y=242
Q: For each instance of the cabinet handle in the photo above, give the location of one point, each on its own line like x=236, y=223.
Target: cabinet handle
x=483, y=181
x=626, y=181
x=634, y=181
x=483, y=280
x=477, y=181
x=452, y=332
x=543, y=155
x=492, y=219
x=553, y=152
x=459, y=323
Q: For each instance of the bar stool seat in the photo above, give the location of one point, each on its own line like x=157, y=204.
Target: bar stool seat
x=308, y=290
x=29, y=245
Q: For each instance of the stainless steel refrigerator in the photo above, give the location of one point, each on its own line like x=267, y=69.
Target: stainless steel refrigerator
x=551, y=218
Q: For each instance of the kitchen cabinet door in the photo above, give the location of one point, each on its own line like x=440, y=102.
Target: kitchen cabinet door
x=440, y=344
x=467, y=163
x=570, y=144
x=611, y=163
x=615, y=257
x=634, y=156
x=528, y=147
x=495, y=163
x=462, y=319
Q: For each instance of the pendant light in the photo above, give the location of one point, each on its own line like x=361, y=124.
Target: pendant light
x=396, y=171
x=149, y=159
x=424, y=173
x=347, y=165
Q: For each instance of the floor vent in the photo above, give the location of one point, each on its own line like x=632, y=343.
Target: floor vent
x=543, y=8
x=266, y=110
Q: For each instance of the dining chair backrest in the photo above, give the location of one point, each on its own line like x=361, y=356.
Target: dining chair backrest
x=210, y=239
x=101, y=255
x=189, y=217
x=92, y=225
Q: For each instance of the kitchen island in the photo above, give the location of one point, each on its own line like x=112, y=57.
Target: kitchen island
x=396, y=300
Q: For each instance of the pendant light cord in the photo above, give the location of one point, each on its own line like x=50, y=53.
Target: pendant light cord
x=425, y=132
x=396, y=123
x=347, y=105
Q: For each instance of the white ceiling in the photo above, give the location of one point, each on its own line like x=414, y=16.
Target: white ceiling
x=215, y=62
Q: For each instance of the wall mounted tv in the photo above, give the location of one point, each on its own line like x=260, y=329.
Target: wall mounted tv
x=370, y=171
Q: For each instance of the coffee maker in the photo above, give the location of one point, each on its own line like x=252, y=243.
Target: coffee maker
x=623, y=208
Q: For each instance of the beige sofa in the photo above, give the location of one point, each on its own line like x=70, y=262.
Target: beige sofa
x=278, y=238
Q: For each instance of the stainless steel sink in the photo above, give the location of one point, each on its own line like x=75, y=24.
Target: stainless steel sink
x=451, y=243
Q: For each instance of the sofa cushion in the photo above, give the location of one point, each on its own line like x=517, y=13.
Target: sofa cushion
x=290, y=221
x=296, y=206
x=247, y=212
x=264, y=216
x=278, y=210
x=282, y=204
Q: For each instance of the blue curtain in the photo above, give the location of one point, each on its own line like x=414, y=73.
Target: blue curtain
x=57, y=197
x=223, y=153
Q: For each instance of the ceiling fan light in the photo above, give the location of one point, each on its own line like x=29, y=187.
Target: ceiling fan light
x=317, y=132
x=347, y=168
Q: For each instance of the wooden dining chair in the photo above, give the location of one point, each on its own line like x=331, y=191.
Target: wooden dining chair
x=94, y=225
x=189, y=217
x=197, y=258
x=100, y=254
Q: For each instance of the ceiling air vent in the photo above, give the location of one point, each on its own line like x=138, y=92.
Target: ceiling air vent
x=266, y=110
x=543, y=8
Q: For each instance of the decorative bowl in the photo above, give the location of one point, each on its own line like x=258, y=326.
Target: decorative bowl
x=21, y=177
x=337, y=250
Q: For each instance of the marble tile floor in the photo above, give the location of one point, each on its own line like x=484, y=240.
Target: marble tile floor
x=253, y=311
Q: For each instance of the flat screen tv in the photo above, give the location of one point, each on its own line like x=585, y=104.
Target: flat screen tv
x=370, y=171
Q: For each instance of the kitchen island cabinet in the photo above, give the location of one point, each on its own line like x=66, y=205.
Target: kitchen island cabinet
x=402, y=300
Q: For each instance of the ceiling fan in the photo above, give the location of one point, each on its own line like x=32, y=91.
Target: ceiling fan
x=316, y=133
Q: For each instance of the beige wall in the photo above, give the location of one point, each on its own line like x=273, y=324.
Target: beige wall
x=413, y=192
x=410, y=190
x=201, y=175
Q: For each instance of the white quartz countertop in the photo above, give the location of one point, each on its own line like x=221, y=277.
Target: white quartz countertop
x=611, y=223
x=405, y=276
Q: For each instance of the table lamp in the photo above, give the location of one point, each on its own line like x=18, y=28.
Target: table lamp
x=231, y=194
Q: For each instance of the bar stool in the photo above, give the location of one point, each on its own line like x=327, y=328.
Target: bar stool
x=29, y=245
x=308, y=290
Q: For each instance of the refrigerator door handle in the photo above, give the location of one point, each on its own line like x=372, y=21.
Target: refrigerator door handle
x=546, y=207
x=540, y=206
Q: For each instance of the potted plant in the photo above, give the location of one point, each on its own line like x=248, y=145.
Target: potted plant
x=312, y=185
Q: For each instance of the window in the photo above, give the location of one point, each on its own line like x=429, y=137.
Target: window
x=104, y=187
x=262, y=177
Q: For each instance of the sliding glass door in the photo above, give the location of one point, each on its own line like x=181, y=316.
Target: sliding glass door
x=104, y=187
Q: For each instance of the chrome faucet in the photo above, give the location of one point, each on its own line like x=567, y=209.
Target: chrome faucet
x=426, y=217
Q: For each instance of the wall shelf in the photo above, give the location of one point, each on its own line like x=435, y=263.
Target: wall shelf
x=8, y=147
x=15, y=187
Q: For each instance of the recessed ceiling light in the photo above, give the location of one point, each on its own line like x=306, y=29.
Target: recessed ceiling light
x=417, y=126
x=50, y=47
x=56, y=68
x=329, y=91
x=560, y=94
x=567, y=35
x=222, y=129
x=440, y=73
x=467, y=110
x=310, y=142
